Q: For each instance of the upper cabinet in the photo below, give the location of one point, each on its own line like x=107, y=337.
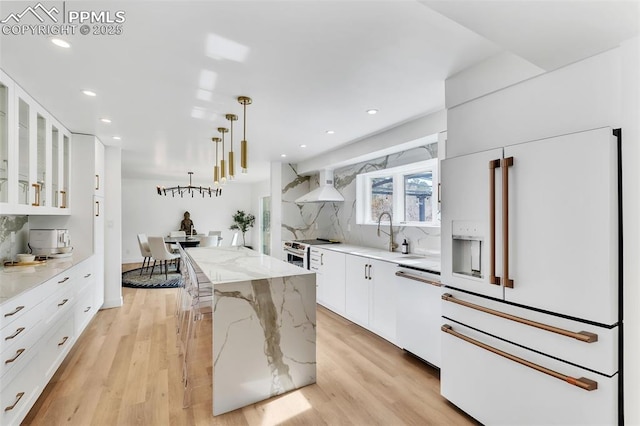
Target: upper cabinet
x=34, y=155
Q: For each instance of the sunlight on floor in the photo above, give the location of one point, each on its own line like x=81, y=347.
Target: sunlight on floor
x=284, y=408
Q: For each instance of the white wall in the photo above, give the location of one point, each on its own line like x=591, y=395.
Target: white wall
x=146, y=212
x=113, y=228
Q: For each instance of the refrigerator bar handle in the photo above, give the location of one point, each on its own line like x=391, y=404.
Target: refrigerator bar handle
x=583, y=336
x=506, y=163
x=581, y=382
x=493, y=165
x=403, y=274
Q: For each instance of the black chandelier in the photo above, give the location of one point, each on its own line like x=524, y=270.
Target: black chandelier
x=181, y=190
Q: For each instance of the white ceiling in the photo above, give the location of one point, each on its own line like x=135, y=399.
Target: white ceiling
x=310, y=66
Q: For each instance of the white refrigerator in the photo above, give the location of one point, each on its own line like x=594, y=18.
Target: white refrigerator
x=532, y=275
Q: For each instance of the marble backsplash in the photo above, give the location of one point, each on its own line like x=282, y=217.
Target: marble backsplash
x=19, y=225
x=338, y=220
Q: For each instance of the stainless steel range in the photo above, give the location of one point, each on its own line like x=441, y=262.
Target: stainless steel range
x=297, y=252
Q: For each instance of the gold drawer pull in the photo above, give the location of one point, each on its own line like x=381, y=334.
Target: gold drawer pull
x=64, y=199
x=582, y=382
x=63, y=302
x=18, y=353
x=18, y=331
x=88, y=309
x=403, y=274
x=15, y=311
x=64, y=280
x=583, y=336
x=64, y=340
x=18, y=398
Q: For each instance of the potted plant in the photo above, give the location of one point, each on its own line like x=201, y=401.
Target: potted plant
x=243, y=221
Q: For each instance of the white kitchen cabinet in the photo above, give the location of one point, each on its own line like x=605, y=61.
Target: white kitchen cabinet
x=371, y=295
x=357, y=286
x=32, y=155
x=39, y=328
x=329, y=267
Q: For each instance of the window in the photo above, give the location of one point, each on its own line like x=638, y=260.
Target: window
x=409, y=193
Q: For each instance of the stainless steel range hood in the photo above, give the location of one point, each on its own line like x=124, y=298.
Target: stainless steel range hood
x=325, y=192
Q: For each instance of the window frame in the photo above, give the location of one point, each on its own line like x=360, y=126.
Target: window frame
x=398, y=174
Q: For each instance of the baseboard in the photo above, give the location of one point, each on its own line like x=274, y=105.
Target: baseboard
x=114, y=303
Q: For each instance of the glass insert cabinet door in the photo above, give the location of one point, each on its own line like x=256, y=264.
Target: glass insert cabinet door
x=4, y=142
x=24, y=127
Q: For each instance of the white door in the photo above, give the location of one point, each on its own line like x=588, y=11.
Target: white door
x=563, y=225
x=466, y=231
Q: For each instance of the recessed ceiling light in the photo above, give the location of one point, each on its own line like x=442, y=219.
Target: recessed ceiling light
x=60, y=42
x=283, y=155
x=105, y=120
x=89, y=93
x=117, y=138
x=372, y=111
x=303, y=146
x=330, y=132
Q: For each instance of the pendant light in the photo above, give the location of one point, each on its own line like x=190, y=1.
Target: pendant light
x=244, y=101
x=216, y=169
x=223, y=168
x=232, y=168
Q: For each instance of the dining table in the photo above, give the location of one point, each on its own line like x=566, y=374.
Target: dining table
x=189, y=241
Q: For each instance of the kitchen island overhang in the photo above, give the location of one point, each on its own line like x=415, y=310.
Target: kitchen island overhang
x=264, y=325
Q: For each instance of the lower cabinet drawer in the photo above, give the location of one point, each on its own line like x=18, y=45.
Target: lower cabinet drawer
x=495, y=389
x=14, y=356
x=18, y=394
x=85, y=308
x=56, y=346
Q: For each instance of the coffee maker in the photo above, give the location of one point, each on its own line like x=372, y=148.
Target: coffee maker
x=44, y=242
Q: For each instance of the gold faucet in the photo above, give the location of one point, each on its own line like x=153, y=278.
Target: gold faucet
x=392, y=245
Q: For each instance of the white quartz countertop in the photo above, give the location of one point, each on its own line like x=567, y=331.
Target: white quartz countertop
x=233, y=264
x=429, y=262
x=15, y=280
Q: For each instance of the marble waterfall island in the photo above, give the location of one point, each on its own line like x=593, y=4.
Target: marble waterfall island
x=264, y=325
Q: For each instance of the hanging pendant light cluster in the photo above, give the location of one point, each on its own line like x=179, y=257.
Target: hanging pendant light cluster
x=221, y=167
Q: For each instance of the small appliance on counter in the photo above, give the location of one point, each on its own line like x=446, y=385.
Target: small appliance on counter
x=50, y=242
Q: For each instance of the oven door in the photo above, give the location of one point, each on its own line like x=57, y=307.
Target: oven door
x=297, y=257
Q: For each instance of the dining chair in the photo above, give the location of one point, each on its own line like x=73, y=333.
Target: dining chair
x=215, y=233
x=159, y=252
x=209, y=241
x=175, y=234
x=144, y=251
x=234, y=240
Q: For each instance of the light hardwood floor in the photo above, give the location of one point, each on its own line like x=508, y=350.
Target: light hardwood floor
x=125, y=370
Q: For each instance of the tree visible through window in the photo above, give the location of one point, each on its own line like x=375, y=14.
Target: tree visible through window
x=381, y=196
x=418, y=189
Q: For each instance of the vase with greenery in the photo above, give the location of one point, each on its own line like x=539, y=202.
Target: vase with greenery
x=242, y=222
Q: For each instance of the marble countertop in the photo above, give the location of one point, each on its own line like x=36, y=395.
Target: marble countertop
x=233, y=264
x=15, y=280
x=429, y=262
